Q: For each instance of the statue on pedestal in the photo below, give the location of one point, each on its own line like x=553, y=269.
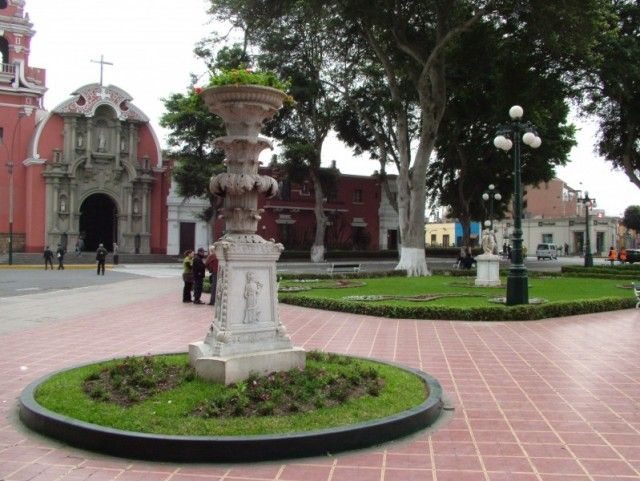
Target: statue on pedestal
x=488, y=241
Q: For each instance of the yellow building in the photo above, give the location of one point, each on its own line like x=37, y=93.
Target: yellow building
x=440, y=234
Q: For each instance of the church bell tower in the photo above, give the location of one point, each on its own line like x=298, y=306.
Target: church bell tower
x=21, y=92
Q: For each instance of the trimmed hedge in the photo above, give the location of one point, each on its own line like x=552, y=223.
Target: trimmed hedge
x=441, y=252
x=489, y=313
x=603, y=272
x=345, y=275
x=288, y=255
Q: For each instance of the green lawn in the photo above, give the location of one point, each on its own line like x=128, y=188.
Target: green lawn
x=171, y=412
x=552, y=289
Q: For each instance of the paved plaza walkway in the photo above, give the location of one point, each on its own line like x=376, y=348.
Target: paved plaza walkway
x=553, y=400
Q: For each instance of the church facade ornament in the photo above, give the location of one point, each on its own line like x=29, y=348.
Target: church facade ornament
x=99, y=161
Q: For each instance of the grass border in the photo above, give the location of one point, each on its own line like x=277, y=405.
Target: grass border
x=157, y=447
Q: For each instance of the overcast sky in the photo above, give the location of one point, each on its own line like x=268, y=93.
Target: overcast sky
x=150, y=43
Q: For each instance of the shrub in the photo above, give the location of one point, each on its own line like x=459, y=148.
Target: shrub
x=488, y=313
x=603, y=272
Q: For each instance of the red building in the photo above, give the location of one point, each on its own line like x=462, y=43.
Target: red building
x=352, y=210
x=91, y=168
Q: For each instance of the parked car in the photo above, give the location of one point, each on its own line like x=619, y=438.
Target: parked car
x=633, y=255
x=547, y=251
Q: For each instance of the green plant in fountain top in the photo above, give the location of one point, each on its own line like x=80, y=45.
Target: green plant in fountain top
x=241, y=76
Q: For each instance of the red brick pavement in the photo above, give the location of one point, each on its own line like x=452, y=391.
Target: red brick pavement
x=554, y=400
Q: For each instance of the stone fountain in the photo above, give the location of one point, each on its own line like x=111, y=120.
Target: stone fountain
x=246, y=335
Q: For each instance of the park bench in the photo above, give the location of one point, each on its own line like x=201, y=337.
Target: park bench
x=336, y=267
x=636, y=290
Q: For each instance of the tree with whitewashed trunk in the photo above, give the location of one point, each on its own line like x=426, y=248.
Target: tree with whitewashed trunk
x=404, y=45
x=410, y=42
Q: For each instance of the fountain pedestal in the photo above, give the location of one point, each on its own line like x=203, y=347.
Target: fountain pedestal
x=246, y=335
x=488, y=270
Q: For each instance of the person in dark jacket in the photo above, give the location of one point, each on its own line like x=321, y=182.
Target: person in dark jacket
x=101, y=257
x=211, y=262
x=60, y=252
x=199, y=271
x=48, y=258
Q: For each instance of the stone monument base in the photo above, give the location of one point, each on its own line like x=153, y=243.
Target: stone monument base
x=230, y=369
x=488, y=266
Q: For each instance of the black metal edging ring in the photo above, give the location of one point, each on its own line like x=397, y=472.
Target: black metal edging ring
x=160, y=447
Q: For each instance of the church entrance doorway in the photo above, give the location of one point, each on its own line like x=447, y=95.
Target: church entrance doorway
x=98, y=222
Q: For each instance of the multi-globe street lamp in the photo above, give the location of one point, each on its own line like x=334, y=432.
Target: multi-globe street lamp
x=490, y=195
x=587, y=202
x=510, y=136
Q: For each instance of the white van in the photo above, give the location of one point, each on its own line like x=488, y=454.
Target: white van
x=549, y=251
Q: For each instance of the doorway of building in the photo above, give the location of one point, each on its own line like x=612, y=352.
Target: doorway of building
x=187, y=236
x=98, y=222
x=392, y=240
x=578, y=243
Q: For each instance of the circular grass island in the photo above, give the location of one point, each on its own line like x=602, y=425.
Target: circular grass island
x=154, y=408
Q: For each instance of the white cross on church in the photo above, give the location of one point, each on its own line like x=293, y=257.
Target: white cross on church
x=102, y=63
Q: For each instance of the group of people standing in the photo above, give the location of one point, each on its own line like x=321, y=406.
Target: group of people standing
x=614, y=255
x=194, y=269
x=101, y=257
x=49, y=254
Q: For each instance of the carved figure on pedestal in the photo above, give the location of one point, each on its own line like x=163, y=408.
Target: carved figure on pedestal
x=102, y=142
x=251, y=290
x=488, y=241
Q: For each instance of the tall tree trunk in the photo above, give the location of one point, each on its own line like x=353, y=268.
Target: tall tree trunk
x=410, y=195
x=317, y=249
x=465, y=222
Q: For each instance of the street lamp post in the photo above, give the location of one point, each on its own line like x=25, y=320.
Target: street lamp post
x=490, y=195
x=10, y=171
x=24, y=112
x=587, y=202
x=510, y=135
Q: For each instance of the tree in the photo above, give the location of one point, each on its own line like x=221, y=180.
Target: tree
x=289, y=40
x=631, y=218
x=615, y=94
x=192, y=130
x=412, y=41
x=405, y=46
x=466, y=161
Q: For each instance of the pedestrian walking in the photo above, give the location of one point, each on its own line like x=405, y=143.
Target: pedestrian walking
x=199, y=272
x=187, y=275
x=613, y=255
x=101, y=257
x=60, y=252
x=211, y=263
x=48, y=258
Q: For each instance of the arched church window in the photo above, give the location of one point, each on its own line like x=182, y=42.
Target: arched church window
x=4, y=50
x=3, y=4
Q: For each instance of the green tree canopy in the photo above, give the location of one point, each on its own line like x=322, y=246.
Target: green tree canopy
x=631, y=218
x=615, y=93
